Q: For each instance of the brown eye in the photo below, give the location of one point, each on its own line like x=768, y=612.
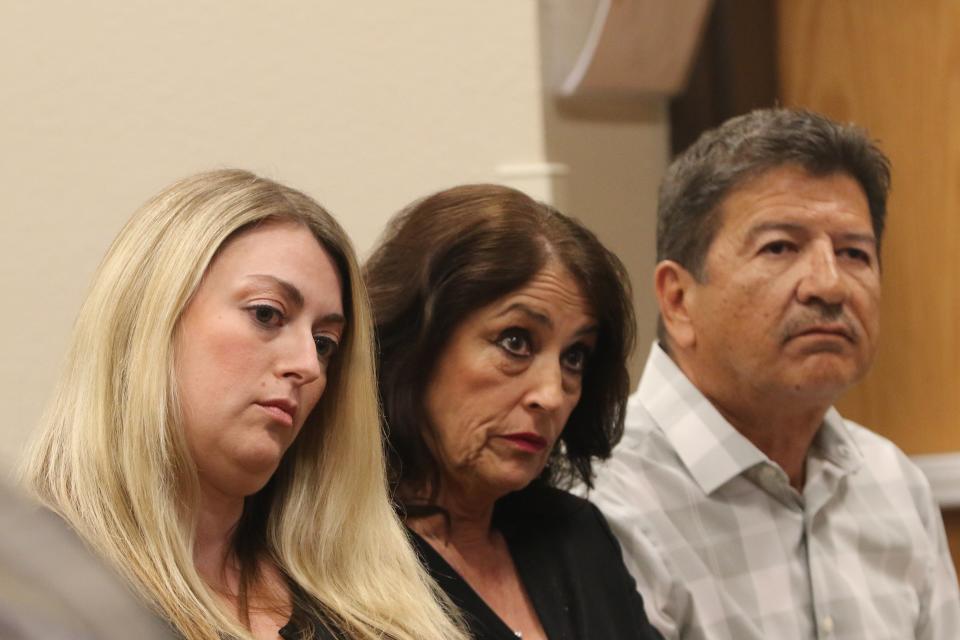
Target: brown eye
x=516, y=342
x=856, y=254
x=576, y=357
x=777, y=248
x=266, y=315
x=326, y=347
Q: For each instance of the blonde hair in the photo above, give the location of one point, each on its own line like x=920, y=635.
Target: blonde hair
x=112, y=460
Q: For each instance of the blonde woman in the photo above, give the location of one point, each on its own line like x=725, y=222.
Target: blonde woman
x=215, y=433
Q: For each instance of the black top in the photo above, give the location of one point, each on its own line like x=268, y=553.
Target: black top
x=300, y=620
x=569, y=563
x=291, y=631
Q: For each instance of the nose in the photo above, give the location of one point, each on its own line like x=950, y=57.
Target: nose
x=298, y=360
x=822, y=281
x=546, y=392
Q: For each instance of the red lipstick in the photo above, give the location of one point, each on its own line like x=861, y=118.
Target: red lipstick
x=527, y=441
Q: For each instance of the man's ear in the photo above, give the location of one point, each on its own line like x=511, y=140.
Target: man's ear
x=675, y=290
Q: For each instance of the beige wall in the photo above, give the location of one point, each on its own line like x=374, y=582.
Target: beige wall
x=364, y=105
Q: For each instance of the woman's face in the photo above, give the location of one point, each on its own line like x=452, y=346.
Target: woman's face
x=252, y=351
x=504, y=386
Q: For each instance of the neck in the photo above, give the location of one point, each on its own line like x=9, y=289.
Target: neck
x=787, y=442
x=265, y=605
x=781, y=425
x=468, y=523
x=217, y=519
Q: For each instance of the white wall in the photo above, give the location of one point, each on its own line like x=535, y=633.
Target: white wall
x=364, y=105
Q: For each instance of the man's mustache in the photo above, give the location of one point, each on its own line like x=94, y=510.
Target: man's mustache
x=821, y=317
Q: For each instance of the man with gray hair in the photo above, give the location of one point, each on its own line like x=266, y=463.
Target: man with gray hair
x=747, y=507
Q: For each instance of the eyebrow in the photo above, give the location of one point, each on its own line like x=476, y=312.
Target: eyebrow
x=789, y=227
x=542, y=318
x=293, y=293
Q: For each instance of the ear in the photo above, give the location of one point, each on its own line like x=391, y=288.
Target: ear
x=675, y=289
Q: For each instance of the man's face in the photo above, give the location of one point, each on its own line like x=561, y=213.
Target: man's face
x=788, y=302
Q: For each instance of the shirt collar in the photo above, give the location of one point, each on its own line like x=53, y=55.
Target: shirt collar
x=707, y=444
x=835, y=444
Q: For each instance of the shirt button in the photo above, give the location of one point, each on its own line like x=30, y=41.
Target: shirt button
x=826, y=625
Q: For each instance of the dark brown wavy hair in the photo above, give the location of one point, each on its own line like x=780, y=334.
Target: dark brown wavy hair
x=456, y=251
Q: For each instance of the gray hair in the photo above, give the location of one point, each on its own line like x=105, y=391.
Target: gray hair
x=688, y=213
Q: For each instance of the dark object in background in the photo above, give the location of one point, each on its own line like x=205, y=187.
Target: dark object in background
x=53, y=588
x=735, y=70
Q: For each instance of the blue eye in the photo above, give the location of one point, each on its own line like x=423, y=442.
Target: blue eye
x=516, y=342
x=326, y=347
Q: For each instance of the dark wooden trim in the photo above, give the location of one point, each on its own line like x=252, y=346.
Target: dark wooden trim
x=735, y=69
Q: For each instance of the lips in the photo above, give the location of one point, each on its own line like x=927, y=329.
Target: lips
x=527, y=441
x=282, y=410
x=838, y=330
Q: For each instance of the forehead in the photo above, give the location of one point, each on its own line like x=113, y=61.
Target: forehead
x=281, y=249
x=793, y=195
x=552, y=290
x=262, y=241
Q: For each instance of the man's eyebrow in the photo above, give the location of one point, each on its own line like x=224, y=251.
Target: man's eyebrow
x=865, y=238
x=763, y=227
x=542, y=318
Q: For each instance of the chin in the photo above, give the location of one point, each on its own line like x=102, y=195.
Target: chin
x=250, y=486
x=827, y=382
x=257, y=472
x=515, y=479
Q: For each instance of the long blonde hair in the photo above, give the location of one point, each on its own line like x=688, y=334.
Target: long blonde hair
x=112, y=460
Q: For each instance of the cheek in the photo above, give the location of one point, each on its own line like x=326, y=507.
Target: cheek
x=863, y=306
x=868, y=305
x=309, y=397
x=569, y=410
x=465, y=411
x=868, y=317
x=215, y=368
x=758, y=309
x=563, y=414
x=462, y=428
x=232, y=346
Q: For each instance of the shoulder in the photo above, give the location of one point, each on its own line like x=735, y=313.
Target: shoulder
x=886, y=467
x=645, y=473
x=871, y=442
x=882, y=457
x=551, y=514
x=539, y=502
x=644, y=441
x=572, y=565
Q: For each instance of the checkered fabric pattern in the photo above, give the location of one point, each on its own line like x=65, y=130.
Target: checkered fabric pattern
x=723, y=547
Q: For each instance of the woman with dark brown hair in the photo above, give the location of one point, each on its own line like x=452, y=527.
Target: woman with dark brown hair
x=504, y=328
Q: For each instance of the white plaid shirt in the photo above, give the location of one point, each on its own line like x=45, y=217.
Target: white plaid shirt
x=723, y=547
